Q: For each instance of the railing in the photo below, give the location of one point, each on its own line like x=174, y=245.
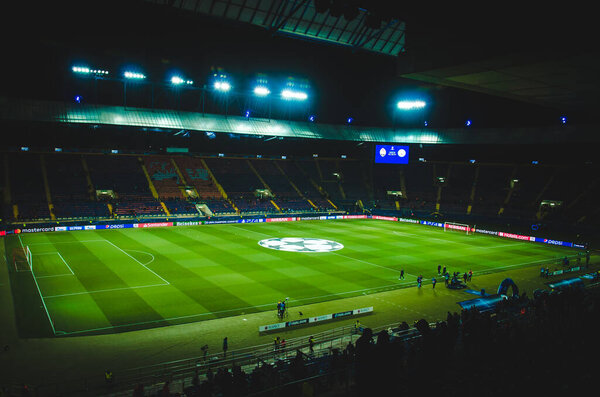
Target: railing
x=186, y=369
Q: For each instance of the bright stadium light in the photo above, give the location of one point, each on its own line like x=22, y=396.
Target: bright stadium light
x=176, y=80
x=293, y=95
x=134, y=75
x=261, y=90
x=87, y=71
x=222, y=86
x=80, y=69
x=411, y=105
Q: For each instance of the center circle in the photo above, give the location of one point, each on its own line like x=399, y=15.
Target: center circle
x=300, y=244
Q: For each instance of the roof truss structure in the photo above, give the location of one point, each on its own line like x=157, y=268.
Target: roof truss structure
x=299, y=18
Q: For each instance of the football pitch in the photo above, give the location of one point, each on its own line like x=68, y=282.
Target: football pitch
x=100, y=281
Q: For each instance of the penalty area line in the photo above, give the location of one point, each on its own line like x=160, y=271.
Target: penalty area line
x=104, y=290
x=129, y=255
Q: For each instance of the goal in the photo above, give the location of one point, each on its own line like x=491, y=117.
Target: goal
x=459, y=227
x=23, y=259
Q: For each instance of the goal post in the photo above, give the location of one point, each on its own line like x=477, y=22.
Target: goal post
x=459, y=227
x=23, y=259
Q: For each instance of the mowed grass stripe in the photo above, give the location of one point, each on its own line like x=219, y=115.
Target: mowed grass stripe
x=220, y=270
x=353, y=270
x=284, y=283
x=334, y=274
x=205, y=293
x=424, y=258
x=118, y=307
x=387, y=254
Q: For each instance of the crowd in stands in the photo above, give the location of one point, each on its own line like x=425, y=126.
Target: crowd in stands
x=544, y=345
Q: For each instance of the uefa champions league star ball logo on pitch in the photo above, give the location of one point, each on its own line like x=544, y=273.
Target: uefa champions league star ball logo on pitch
x=299, y=244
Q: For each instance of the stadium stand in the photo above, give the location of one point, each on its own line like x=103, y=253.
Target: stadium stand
x=27, y=186
x=123, y=175
x=164, y=177
x=455, y=196
x=501, y=193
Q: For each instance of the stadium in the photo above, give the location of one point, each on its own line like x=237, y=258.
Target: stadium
x=297, y=198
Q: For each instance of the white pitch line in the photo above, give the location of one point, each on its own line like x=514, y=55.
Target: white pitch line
x=493, y=269
x=39, y=291
x=147, y=268
x=65, y=262
x=374, y=289
x=55, y=275
x=147, y=253
x=104, y=290
x=66, y=242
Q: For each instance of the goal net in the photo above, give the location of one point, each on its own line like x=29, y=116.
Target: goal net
x=458, y=227
x=23, y=259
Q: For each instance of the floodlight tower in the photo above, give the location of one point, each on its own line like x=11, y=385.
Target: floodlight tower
x=221, y=84
x=261, y=94
x=178, y=81
x=95, y=74
x=411, y=109
x=130, y=76
x=294, y=93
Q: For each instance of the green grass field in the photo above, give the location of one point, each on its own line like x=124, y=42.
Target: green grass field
x=119, y=280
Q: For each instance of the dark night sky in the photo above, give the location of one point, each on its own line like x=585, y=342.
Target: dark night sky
x=45, y=41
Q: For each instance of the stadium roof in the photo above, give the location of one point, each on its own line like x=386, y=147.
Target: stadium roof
x=71, y=113
x=300, y=18
x=500, y=66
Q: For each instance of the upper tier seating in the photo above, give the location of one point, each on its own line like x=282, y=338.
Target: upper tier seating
x=164, y=177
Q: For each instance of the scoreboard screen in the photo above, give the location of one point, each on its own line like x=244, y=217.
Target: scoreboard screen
x=391, y=154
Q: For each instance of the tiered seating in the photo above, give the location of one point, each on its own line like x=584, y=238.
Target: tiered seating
x=278, y=183
x=492, y=187
x=238, y=180
x=138, y=208
x=353, y=180
x=295, y=174
x=125, y=177
x=28, y=186
x=419, y=187
x=164, y=177
x=66, y=178
x=180, y=207
x=219, y=206
x=286, y=197
x=254, y=205
x=456, y=193
x=81, y=209
x=532, y=180
x=68, y=186
x=197, y=176
x=329, y=182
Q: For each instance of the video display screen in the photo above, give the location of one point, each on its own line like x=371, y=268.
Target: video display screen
x=391, y=154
